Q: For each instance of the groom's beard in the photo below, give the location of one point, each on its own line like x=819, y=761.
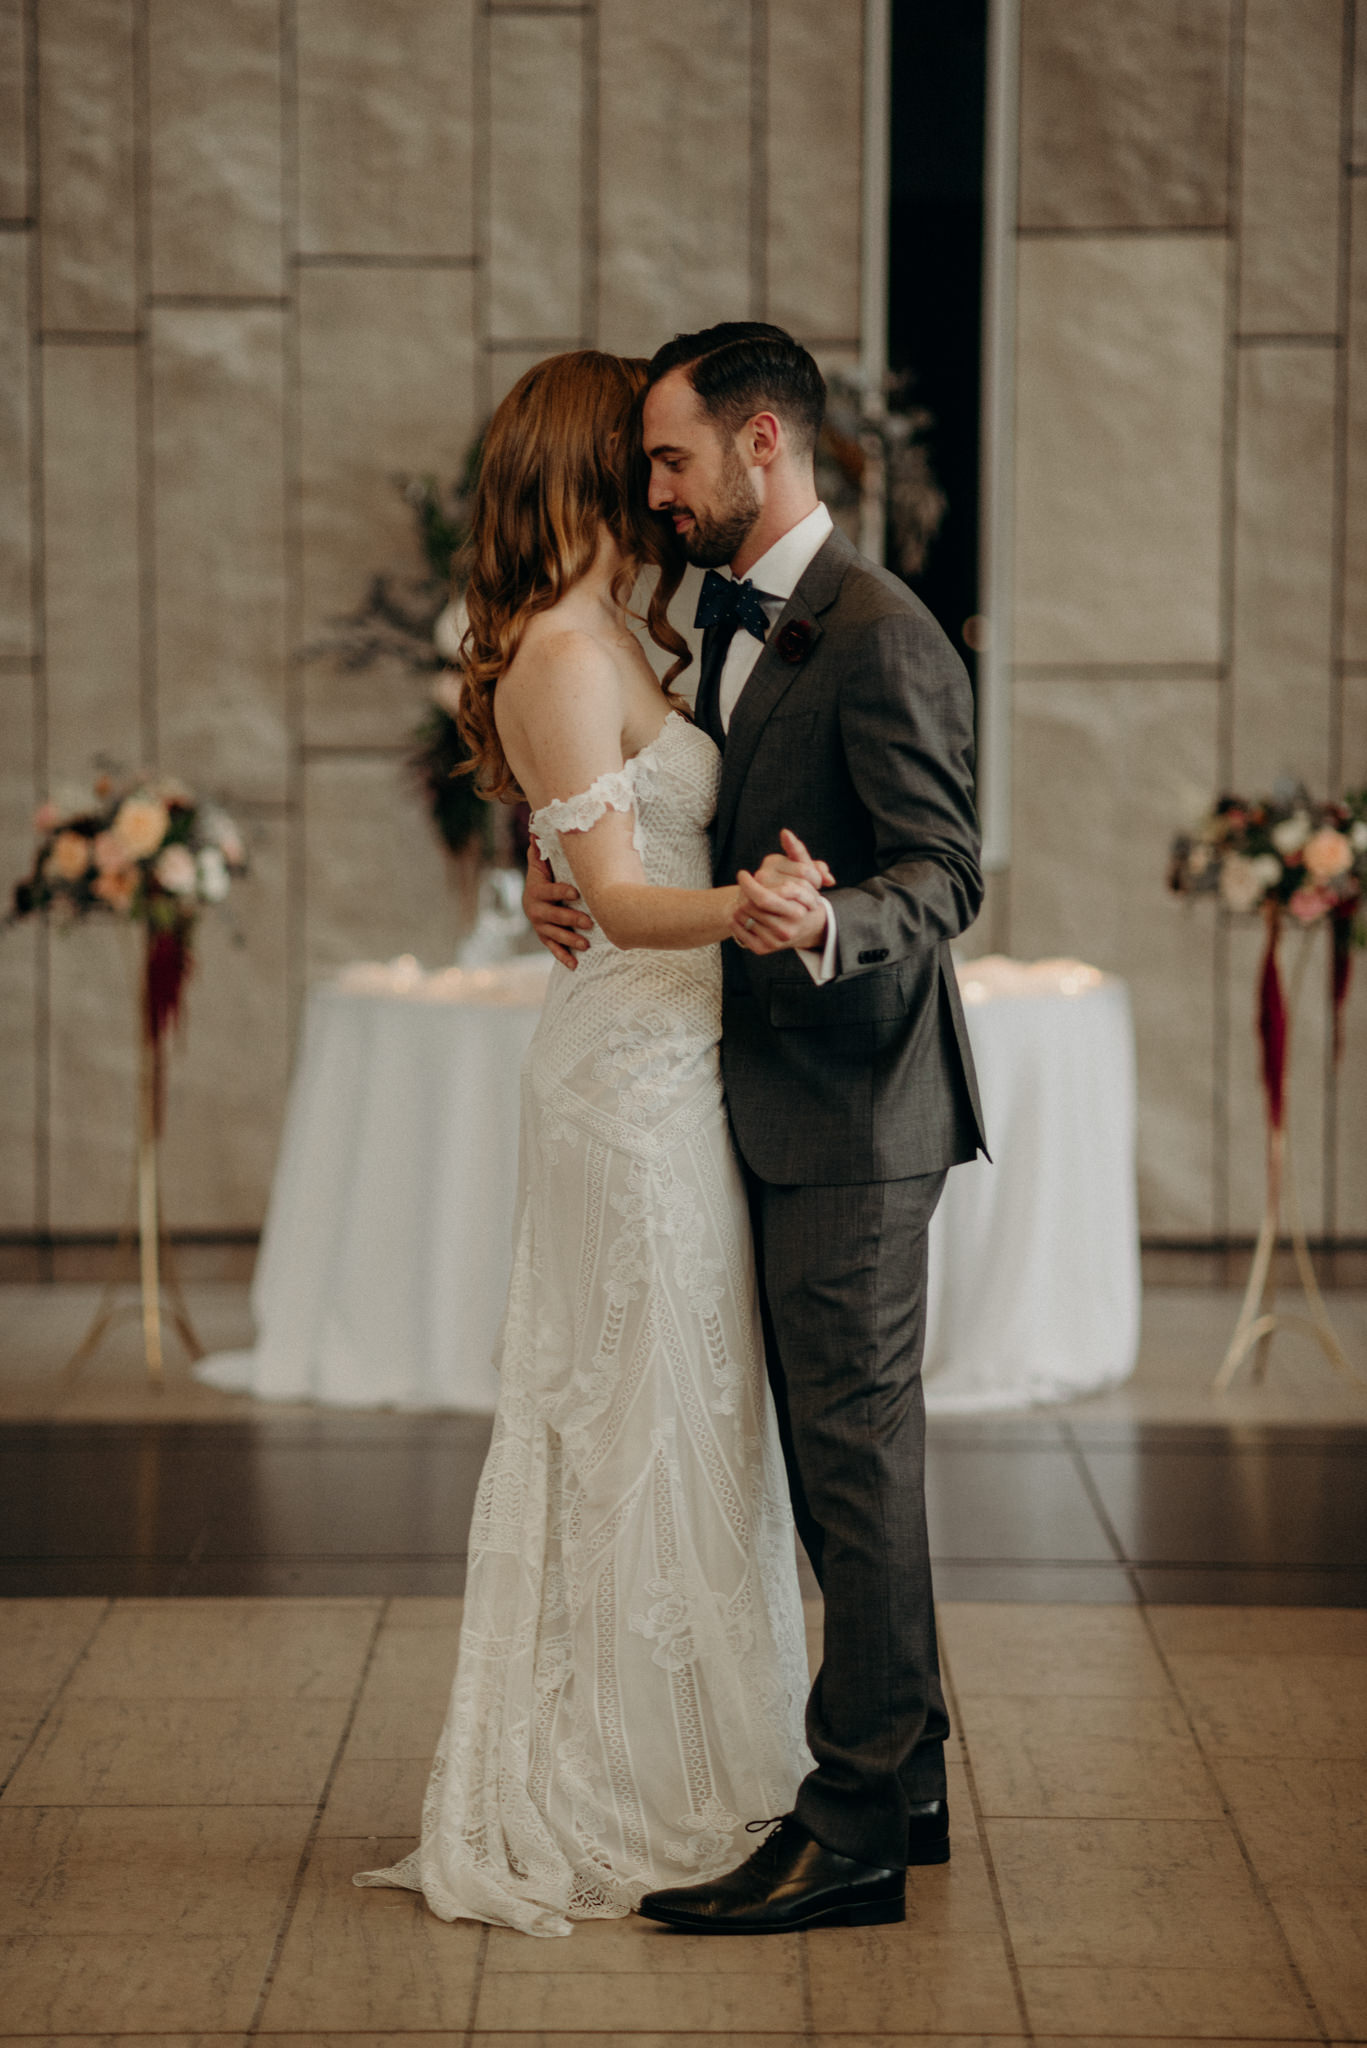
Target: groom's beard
x=716, y=537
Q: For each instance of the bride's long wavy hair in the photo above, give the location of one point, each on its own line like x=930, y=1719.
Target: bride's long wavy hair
x=562, y=459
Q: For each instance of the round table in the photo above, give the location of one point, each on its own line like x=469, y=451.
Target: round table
x=387, y=1244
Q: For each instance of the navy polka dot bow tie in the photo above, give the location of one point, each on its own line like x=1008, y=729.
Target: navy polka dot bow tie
x=725, y=602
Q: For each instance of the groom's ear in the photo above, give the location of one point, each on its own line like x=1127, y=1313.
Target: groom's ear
x=763, y=438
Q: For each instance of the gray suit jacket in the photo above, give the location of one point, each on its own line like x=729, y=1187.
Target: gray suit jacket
x=855, y=728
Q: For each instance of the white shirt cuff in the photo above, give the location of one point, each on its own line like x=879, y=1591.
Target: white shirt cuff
x=821, y=966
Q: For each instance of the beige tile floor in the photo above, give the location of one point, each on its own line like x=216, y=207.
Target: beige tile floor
x=1161, y=1835
x=1184, y=1336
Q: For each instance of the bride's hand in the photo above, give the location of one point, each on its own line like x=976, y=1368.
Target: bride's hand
x=551, y=911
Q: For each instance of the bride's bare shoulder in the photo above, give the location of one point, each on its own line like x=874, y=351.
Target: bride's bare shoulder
x=559, y=664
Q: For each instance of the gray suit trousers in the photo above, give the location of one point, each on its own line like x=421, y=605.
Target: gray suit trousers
x=843, y=1290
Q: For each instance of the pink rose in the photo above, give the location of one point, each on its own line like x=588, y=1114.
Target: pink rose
x=70, y=856
x=45, y=817
x=1326, y=854
x=111, y=855
x=176, y=870
x=1308, y=904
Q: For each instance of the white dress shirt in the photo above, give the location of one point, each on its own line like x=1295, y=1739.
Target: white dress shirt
x=776, y=576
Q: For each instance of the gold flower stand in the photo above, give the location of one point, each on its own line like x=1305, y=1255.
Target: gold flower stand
x=1259, y=1317
x=159, y=1299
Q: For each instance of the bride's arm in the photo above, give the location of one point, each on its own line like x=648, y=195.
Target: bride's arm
x=561, y=724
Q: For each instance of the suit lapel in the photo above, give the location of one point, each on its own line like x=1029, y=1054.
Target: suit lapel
x=773, y=675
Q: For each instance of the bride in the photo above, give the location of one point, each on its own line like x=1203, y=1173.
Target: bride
x=631, y=1676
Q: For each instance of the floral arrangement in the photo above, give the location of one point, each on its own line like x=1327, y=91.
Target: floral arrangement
x=148, y=851
x=412, y=619
x=1283, y=855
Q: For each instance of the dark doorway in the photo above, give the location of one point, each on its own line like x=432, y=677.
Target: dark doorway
x=935, y=256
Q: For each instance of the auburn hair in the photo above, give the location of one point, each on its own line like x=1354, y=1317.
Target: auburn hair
x=562, y=459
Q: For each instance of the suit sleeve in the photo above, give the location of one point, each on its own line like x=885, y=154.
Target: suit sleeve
x=906, y=718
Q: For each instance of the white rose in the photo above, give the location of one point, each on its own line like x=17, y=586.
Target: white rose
x=176, y=870
x=1241, y=886
x=1357, y=835
x=1268, y=869
x=213, y=875
x=218, y=828
x=1291, y=835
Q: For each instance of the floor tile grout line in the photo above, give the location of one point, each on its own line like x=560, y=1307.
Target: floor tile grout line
x=57, y=1691
x=985, y=1846
x=1098, y=1507
x=253, y=2028
x=1260, y=1891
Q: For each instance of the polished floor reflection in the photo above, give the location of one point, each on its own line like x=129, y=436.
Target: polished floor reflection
x=369, y=1505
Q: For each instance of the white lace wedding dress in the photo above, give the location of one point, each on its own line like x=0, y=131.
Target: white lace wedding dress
x=631, y=1676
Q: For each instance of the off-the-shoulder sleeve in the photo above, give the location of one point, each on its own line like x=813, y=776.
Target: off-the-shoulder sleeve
x=615, y=791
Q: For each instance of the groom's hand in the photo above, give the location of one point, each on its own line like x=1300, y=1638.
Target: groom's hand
x=550, y=910
x=780, y=906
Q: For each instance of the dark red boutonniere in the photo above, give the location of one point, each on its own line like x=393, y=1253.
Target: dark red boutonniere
x=794, y=642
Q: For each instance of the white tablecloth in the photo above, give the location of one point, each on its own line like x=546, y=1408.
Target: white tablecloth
x=387, y=1245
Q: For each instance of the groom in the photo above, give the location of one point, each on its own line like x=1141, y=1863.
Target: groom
x=844, y=717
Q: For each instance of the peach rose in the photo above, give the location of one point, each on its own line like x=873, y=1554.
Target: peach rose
x=117, y=887
x=70, y=856
x=140, y=825
x=1326, y=854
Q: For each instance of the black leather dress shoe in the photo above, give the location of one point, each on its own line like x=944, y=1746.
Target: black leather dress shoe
x=790, y=1882
x=928, y=1832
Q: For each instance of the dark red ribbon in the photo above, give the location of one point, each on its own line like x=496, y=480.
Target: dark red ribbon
x=1272, y=1024
x=168, y=968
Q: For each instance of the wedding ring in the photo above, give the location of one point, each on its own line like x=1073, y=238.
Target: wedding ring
x=749, y=924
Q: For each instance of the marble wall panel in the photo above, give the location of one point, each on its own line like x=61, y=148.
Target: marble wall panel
x=1123, y=113
x=86, y=197
x=1292, y=152
x=90, y=558
x=1120, y=355
x=1103, y=774
x=214, y=94
x=813, y=147
x=377, y=882
x=19, y=964
x=1283, y=566
x=1355, y=510
x=16, y=504
x=386, y=127
x=223, y=1110
x=13, y=111
x=674, y=170
x=1304, y=1076
x=218, y=384
x=388, y=375
x=92, y=1107
x=536, y=197
x=1358, y=141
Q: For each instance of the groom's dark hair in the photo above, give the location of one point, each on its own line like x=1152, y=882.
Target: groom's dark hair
x=742, y=367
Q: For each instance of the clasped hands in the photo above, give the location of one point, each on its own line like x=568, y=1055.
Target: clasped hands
x=779, y=906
